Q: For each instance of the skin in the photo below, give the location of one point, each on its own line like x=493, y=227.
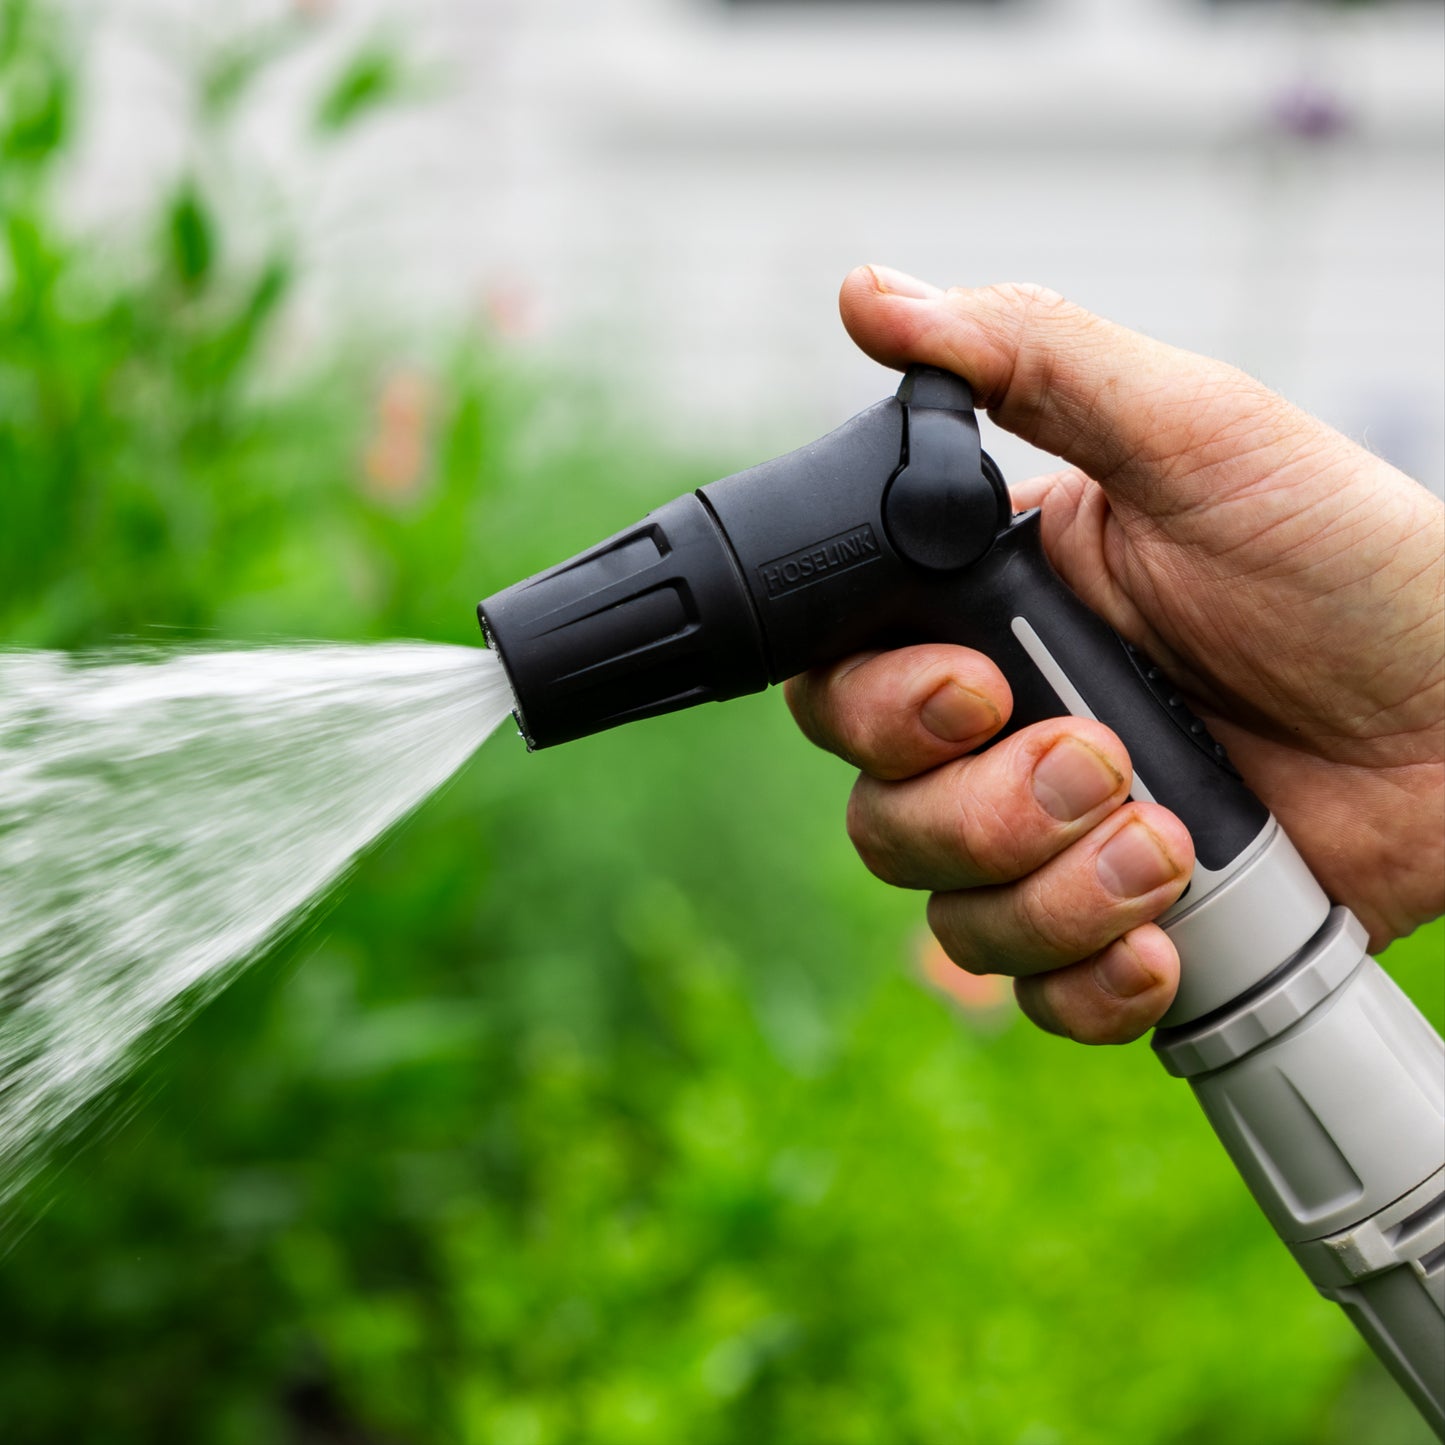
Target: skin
x=1288, y=582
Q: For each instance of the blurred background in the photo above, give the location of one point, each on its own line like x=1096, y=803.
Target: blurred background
x=611, y=1101
x=670, y=190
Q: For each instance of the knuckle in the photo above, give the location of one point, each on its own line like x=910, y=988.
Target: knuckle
x=873, y=743
x=1032, y=993
x=991, y=837
x=1028, y=296
x=807, y=699
x=861, y=823
x=875, y=845
x=1050, y=927
x=1048, y=1002
x=1035, y=311
x=850, y=731
x=834, y=712
x=950, y=919
x=868, y=733
x=795, y=694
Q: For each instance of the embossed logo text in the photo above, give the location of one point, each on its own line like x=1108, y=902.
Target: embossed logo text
x=812, y=564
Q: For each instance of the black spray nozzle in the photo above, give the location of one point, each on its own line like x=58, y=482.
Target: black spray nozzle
x=649, y=621
x=758, y=576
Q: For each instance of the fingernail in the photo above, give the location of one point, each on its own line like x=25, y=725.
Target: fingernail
x=1121, y=972
x=1134, y=862
x=900, y=283
x=953, y=714
x=1071, y=779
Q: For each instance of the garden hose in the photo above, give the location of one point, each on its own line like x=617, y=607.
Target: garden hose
x=1324, y=1082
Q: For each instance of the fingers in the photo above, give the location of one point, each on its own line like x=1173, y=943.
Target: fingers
x=1038, y=866
x=1040, y=869
x=992, y=818
x=1067, y=486
x=1111, y=998
x=895, y=714
x=1128, y=410
x=1122, y=874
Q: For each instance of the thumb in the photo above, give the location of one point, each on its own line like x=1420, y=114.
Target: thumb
x=1159, y=428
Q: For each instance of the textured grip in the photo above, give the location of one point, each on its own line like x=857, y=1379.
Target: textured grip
x=1060, y=658
x=1251, y=902
x=1154, y=681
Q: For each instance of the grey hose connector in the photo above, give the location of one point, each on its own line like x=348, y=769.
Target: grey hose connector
x=1325, y=1086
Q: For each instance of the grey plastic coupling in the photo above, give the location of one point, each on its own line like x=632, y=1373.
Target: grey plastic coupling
x=1245, y=927
x=1306, y=980
x=1327, y=1087
x=1331, y=1100
x=1388, y=1274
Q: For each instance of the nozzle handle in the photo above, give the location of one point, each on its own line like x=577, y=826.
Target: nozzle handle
x=1251, y=903
x=1061, y=658
x=897, y=528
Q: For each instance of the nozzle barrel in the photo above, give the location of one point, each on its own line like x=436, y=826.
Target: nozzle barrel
x=718, y=593
x=649, y=621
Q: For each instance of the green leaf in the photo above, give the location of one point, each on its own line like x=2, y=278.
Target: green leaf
x=190, y=236
x=35, y=107
x=373, y=77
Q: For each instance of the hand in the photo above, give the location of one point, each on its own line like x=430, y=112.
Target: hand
x=1287, y=581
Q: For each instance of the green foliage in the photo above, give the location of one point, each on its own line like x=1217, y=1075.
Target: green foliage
x=603, y=1104
x=36, y=99
x=189, y=236
x=370, y=80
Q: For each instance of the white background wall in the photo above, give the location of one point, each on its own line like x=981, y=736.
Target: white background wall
x=668, y=191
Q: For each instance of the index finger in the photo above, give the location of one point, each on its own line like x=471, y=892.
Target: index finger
x=1126, y=409
x=897, y=714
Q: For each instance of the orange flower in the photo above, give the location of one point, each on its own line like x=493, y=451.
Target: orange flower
x=982, y=998
x=397, y=454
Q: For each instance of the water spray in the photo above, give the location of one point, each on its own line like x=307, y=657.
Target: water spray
x=1323, y=1081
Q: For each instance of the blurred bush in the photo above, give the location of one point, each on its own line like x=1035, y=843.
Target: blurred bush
x=603, y=1105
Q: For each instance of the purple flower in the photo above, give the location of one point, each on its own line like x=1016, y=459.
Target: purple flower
x=1309, y=111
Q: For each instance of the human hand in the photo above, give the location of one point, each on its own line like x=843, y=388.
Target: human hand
x=1287, y=581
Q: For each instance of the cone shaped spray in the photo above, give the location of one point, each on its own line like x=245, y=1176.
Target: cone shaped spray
x=1322, y=1079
